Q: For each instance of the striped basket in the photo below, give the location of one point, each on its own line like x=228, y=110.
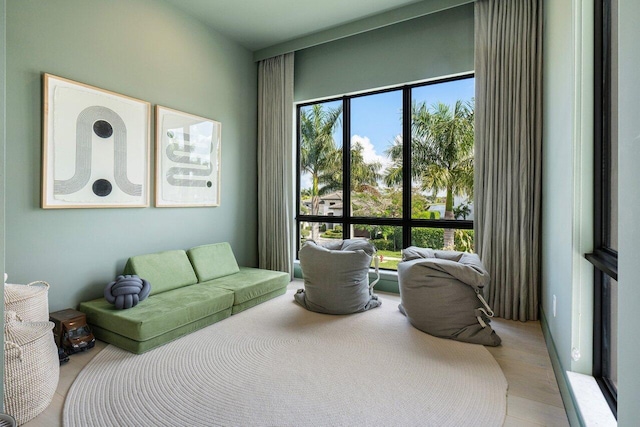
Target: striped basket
x=30, y=302
x=7, y=420
x=31, y=367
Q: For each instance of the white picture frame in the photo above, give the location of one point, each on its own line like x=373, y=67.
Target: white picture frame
x=188, y=157
x=95, y=147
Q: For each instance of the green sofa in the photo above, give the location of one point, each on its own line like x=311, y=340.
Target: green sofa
x=189, y=290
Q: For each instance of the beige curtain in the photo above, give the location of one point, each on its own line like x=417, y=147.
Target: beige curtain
x=275, y=163
x=508, y=157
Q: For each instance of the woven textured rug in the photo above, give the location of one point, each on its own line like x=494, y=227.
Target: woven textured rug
x=279, y=365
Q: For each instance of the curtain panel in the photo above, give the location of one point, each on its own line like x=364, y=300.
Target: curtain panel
x=508, y=152
x=275, y=163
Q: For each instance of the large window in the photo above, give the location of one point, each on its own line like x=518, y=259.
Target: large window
x=605, y=254
x=394, y=166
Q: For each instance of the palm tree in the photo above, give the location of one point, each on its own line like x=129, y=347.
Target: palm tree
x=319, y=155
x=364, y=176
x=364, y=180
x=441, y=153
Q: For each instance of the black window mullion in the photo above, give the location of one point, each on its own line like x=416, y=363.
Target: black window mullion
x=298, y=174
x=606, y=124
x=603, y=258
x=406, y=166
x=602, y=123
x=346, y=167
x=320, y=218
x=602, y=336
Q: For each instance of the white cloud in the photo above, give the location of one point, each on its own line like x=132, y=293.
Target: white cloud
x=369, y=151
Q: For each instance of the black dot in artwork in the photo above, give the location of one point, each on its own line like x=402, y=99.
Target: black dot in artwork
x=209, y=184
x=102, y=188
x=103, y=129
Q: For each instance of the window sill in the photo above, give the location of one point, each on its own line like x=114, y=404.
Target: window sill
x=592, y=405
x=386, y=274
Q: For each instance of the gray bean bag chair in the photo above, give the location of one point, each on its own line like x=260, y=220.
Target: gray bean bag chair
x=441, y=293
x=336, y=277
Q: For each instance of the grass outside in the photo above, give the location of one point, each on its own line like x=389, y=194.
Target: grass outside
x=389, y=259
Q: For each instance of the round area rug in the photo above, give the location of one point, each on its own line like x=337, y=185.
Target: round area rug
x=278, y=364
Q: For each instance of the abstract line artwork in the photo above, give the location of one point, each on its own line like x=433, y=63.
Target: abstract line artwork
x=95, y=147
x=187, y=159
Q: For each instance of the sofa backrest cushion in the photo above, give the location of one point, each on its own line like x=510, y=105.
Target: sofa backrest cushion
x=164, y=270
x=213, y=261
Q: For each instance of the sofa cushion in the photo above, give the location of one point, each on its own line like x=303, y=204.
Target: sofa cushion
x=164, y=270
x=159, y=314
x=250, y=283
x=213, y=261
x=139, y=347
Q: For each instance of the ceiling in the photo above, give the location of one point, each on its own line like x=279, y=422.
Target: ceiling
x=257, y=24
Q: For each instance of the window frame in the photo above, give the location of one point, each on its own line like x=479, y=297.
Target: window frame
x=346, y=220
x=604, y=258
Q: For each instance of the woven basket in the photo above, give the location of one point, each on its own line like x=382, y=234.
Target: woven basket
x=30, y=302
x=7, y=420
x=31, y=367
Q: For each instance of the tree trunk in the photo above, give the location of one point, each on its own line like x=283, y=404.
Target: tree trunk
x=315, y=208
x=448, y=214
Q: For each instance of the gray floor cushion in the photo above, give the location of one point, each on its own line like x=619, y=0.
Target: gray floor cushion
x=442, y=294
x=336, y=277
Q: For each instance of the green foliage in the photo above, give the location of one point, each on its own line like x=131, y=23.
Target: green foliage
x=434, y=238
x=384, y=237
x=387, y=203
x=377, y=202
x=428, y=237
x=305, y=233
x=384, y=245
x=441, y=152
x=461, y=211
x=464, y=241
x=427, y=215
x=336, y=233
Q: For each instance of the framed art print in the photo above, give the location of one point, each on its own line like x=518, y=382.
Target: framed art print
x=95, y=147
x=187, y=159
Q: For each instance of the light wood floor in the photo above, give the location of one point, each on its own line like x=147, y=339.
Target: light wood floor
x=533, y=398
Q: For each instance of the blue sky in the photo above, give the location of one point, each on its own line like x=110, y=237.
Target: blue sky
x=377, y=119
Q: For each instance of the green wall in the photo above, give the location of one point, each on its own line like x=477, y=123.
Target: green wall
x=3, y=27
x=430, y=46
x=567, y=190
x=567, y=193
x=148, y=50
x=628, y=209
x=351, y=28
